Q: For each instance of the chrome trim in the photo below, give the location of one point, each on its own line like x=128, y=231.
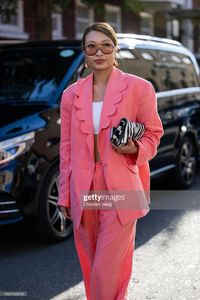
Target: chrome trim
x=12, y=142
x=8, y=202
x=18, y=142
x=19, y=151
x=9, y=211
x=178, y=92
x=162, y=170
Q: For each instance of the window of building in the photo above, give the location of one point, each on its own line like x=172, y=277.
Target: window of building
x=84, y=16
x=175, y=28
x=113, y=16
x=57, y=23
x=14, y=27
x=146, y=23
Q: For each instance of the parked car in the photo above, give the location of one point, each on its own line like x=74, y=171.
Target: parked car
x=32, y=78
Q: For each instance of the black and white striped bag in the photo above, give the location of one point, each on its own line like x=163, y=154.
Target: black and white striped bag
x=126, y=129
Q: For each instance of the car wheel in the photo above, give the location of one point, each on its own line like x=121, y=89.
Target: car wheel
x=186, y=164
x=52, y=226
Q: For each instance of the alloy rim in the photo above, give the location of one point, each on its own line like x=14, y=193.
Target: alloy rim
x=54, y=214
x=187, y=162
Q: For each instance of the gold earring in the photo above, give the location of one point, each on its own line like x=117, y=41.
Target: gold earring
x=86, y=65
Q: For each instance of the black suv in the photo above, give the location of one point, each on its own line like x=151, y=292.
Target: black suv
x=32, y=78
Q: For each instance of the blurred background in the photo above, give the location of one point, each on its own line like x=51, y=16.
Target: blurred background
x=22, y=20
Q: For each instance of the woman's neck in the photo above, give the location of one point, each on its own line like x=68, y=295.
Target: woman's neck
x=101, y=76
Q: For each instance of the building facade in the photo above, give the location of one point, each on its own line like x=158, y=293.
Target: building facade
x=68, y=23
x=176, y=19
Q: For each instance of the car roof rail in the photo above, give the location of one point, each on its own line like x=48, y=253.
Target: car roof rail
x=148, y=38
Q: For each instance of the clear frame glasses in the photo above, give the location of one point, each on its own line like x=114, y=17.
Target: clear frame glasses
x=92, y=48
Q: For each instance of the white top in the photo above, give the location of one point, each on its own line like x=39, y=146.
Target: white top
x=96, y=111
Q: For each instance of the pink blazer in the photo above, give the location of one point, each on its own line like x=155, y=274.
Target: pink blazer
x=126, y=96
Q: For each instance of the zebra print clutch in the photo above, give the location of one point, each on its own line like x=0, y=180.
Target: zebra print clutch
x=126, y=129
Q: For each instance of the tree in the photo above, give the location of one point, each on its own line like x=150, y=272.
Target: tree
x=133, y=5
x=44, y=8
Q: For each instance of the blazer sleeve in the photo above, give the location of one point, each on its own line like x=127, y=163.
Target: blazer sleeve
x=65, y=147
x=148, y=115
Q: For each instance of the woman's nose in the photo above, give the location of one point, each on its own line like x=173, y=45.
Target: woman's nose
x=97, y=53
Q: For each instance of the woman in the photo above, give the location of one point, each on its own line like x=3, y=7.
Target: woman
x=104, y=238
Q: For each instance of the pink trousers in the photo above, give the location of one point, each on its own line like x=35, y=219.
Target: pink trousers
x=105, y=249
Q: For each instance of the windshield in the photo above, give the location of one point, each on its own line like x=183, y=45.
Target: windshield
x=33, y=75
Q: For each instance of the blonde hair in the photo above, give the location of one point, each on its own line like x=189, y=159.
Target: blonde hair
x=104, y=28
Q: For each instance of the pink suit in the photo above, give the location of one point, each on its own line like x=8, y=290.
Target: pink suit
x=126, y=96
x=105, y=248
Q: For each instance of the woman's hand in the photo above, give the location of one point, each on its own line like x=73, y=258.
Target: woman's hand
x=129, y=148
x=66, y=211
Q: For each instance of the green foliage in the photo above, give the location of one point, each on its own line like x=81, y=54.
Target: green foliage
x=61, y=3
x=93, y=3
x=133, y=5
x=8, y=7
x=97, y=5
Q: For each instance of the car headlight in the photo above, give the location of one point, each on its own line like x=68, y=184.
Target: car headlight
x=14, y=147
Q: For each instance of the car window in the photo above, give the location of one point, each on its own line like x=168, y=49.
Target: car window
x=33, y=75
x=165, y=70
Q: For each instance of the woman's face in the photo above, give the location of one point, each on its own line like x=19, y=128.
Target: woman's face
x=96, y=58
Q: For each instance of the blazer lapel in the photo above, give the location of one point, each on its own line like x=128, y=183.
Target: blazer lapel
x=113, y=95
x=83, y=103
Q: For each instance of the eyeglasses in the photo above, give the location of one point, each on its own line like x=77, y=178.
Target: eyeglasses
x=91, y=49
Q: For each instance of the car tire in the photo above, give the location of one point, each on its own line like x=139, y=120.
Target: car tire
x=186, y=164
x=50, y=226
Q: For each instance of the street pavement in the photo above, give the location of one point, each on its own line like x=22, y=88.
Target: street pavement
x=166, y=262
